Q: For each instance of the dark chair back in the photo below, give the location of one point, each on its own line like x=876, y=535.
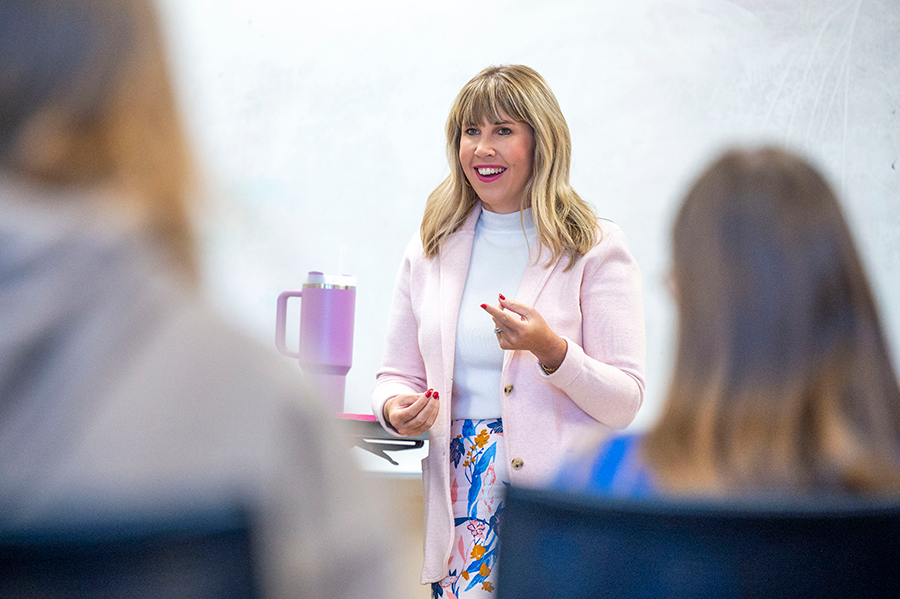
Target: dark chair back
x=561, y=545
x=193, y=554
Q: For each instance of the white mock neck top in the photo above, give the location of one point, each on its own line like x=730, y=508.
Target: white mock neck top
x=500, y=253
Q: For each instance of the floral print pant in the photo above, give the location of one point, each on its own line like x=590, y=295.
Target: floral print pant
x=478, y=481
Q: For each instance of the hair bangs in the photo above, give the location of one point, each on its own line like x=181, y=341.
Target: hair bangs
x=486, y=100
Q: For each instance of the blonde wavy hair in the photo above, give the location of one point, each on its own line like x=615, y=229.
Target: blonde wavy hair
x=565, y=223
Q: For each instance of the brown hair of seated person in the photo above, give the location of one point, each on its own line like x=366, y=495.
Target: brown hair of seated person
x=86, y=102
x=782, y=380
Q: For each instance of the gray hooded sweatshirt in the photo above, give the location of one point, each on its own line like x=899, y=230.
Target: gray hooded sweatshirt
x=120, y=390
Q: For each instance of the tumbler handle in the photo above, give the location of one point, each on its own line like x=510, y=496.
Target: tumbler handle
x=281, y=322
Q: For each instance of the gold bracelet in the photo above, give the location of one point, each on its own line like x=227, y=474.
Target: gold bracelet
x=549, y=370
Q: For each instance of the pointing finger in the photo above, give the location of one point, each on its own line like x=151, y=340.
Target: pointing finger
x=515, y=307
x=492, y=310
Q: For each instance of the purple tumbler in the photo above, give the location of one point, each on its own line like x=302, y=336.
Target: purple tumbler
x=326, y=333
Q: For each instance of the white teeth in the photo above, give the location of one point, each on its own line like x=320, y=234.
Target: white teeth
x=487, y=172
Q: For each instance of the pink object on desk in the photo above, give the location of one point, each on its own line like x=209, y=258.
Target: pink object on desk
x=326, y=332
x=364, y=417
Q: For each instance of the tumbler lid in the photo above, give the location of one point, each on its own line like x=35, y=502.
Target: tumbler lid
x=318, y=279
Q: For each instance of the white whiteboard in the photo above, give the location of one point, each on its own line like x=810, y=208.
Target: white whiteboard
x=320, y=124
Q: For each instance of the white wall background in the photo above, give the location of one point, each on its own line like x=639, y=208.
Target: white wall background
x=320, y=124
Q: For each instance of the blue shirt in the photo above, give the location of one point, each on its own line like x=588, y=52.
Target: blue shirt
x=614, y=468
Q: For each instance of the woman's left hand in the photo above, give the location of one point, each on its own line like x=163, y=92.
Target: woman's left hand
x=523, y=327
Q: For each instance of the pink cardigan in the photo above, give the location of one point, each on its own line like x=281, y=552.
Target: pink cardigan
x=596, y=305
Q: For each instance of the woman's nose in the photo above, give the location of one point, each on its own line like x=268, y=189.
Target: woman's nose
x=484, y=148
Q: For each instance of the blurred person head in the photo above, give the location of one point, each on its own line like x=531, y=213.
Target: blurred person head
x=782, y=379
x=119, y=391
x=564, y=222
x=86, y=102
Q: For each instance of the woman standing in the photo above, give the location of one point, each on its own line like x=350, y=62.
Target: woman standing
x=502, y=385
x=783, y=382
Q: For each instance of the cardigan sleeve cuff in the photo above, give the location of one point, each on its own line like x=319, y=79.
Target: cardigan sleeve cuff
x=568, y=365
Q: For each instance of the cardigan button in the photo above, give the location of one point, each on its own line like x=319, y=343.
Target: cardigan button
x=508, y=389
x=517, y=463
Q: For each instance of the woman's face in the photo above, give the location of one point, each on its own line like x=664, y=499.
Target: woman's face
x=498, y=160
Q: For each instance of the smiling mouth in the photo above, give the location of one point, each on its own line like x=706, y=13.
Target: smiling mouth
x=490, y=171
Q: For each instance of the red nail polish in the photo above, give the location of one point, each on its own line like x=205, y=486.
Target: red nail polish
x=501, y=297
x=484, y=306
x=428, y=393
x=436, y=396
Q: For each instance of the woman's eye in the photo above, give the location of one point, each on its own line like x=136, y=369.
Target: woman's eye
x=471, y=131
x=504, y=131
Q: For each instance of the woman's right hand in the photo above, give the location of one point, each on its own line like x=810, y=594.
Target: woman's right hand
x=412, y=415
